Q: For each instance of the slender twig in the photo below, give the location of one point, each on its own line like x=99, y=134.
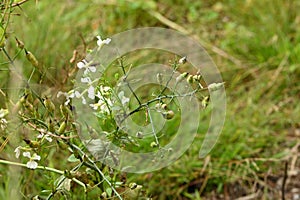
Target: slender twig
x=124, y=79
x=90, y=163
x=159, y=98
x=284, y=180
x=152, y=126
x=15, y=4
x=169, y=80
x=42, y=168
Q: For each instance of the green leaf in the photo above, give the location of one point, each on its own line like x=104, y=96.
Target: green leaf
x=72, y=158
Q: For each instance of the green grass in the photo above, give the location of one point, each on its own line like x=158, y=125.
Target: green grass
x=262, y=91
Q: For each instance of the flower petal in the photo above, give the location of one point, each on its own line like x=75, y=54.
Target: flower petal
x=31, y=164
x=27, y=154
x=36, y=157
x=18, y=151
x=77, y=94
x=86, y=80
x=80, y=65
x=92, y=69
x=91, y=92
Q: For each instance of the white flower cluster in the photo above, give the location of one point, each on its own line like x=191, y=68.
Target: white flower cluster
x=88, y=68
x=31, y=164
x=103, y=94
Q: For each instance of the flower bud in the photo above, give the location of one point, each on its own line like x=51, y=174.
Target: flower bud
x=132, y=185
x=169, y=114
x=31, y=143
x=20, y=44
x=182, y=60
x=103, y=195
x=139, y=135
x=62, y=128
x=164, y=106
x=158, y=106
x=153, y=144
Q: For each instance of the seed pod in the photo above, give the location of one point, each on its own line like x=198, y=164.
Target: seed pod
x=64, y=110
x=20, y=44
x=181, y=77
x=169, y=114
x=28, y=95
x=62, y=127
x=31, y=58
x=49, y=105
x=197, y=78
x=182, y=60
x=190, y=79
x=214, y=86
x=51, y=126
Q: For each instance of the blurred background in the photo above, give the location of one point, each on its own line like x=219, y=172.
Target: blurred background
x=256, y=46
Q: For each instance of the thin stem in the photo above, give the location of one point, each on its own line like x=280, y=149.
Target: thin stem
x=90, y=163
x=126, y=75
x=152, y=126
x=159, y=98
x=42, y=168
x=172, y=74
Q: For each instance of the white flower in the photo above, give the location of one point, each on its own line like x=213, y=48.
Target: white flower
x=73, y=94
x=18, y=151
x=122, y=98
x=70, y=95
x=95, y=106
x=91, y=92
x=86, y=80
x=84, y=64
x=60, y=93
x=31, y=164
x=83, y=100
x=47, y=137
x=105, y=90
x=101, y=42
x=102, y=105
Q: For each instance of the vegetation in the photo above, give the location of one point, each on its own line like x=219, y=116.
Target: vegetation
x=256, y=46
